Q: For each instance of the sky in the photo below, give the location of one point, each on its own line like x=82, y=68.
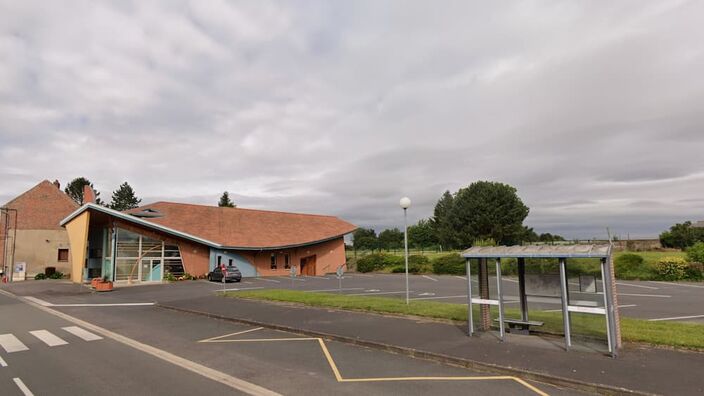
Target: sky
x=594, y=111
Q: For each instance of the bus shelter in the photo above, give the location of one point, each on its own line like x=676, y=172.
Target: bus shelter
x=563, y=255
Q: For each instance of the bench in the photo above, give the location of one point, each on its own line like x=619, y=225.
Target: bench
x=523, y=326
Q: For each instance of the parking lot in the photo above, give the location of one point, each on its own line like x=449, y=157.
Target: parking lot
x=657, y=301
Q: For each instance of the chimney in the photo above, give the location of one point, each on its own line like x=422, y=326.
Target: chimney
x=88, y=194
x=57, y=184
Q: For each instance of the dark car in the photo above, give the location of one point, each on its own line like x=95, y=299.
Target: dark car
x=233, y=274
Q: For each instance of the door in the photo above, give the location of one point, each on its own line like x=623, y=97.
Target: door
x=150, y=270
x=308, y=266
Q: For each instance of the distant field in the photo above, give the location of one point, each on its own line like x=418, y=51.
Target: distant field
x=648, y=257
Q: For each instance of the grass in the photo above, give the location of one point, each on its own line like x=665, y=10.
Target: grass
x=673, y=334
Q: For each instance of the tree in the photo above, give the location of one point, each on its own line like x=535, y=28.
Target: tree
x=421, y=235
x=391, y=239
x=529, y=235
x=681, y=236
x=487, y=210
x=365, y=238
x=74, y=189
x=548, y=237
x=442, y=223
x=225, y=201
x=124, y=198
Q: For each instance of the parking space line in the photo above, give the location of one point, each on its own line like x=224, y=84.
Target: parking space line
x=23, y=388
x=362, y=275
x=218, y=338
x=644, y=295
x=377, y=293
x=328, y=290
x=238, y=288
x=428, y=277
x=676, y=318
x=641, y=286
x=2, y=362
x=437, y=298
x=268, y=280
x=679, y=284
x=338, y=376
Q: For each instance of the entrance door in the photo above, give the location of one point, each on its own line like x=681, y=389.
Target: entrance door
x=308, y=266
x=150, y=270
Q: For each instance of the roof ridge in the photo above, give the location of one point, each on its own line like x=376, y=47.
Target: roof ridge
x=236, y=208
x=37, y=186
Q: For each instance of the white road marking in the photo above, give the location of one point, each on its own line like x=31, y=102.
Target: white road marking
x=430, y=278
x=38, y=301
x=315, y=277
x=268, y=280
x=677, y=318
x=369, y=294
x=437, y=298
x=10, y=343
x=85, y=335
x=620, y=306
x=509, y=280
x=328, y=290
x=207, y=372
x=48, y=338
x=426, y=294
x=104, y=305
x=363, y=275
x=236, y=289
x=632, y=285
x=644, y=295
x=461, y=277
x=23, y=388
x=372, y=290
x=289, y=278
x=2, y=362
x=680, y=284
x=218, y=338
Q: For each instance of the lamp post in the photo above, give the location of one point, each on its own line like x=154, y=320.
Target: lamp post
x=405, y=204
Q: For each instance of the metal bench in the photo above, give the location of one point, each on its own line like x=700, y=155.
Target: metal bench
x=521, y=326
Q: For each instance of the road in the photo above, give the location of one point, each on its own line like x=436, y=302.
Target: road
x=276, y=361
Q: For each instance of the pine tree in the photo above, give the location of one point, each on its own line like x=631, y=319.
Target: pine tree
x=225, y=201
x=74, y=189
x=124, y=198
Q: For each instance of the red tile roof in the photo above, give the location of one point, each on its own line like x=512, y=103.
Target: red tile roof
x=42, y=207
x=245, y=228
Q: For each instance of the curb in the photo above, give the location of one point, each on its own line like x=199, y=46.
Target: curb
x=563, y=382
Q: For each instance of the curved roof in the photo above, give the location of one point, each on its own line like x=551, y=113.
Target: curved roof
x=244, y=228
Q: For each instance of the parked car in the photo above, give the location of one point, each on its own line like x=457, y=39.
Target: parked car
x=233, y=274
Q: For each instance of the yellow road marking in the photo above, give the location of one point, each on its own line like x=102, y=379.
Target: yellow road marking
x=339, y=377
x=230, y=335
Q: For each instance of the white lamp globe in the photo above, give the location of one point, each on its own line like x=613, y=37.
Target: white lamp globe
x=405, y=202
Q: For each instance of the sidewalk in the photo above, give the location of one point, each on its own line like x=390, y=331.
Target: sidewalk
x=646, y=370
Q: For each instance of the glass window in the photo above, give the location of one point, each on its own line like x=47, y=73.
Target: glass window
x=273, y=261
x=287, y=262
x=219, y=261
x=127, y=244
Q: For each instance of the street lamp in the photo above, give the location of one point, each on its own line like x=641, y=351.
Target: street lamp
x=405, y=204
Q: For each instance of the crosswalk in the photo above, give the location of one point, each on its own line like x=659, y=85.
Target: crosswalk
x=11, y=343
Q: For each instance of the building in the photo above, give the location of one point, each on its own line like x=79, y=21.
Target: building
x=30, y=232
x=165, y=239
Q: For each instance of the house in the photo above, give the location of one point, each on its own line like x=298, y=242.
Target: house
x=167, y=239
x=30, y=232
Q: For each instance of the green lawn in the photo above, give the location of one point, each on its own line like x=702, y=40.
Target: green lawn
x=683, y=335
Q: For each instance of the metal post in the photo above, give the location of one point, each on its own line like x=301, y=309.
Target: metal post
x=522, y=288
x=502, y=331
x=405, y=247
x=564, y=290
x=606, y=305
x=470, y=321
x=612, y=307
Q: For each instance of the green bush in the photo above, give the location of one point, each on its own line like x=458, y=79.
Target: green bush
x=452, y=264
x=56, y=275
x=695, y=253
x=695, y=271
x=671, y=268
x=628, y=263
x=377, y=261
x=39, y=276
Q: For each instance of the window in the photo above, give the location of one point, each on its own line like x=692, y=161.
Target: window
x=287, y=262
x=229, y=264
x=273, y=261
x=219, y=261
x=63, y=255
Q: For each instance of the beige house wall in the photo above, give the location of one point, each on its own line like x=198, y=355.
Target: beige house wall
x=40, y=249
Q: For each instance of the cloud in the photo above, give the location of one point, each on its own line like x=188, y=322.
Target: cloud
x=594, y=112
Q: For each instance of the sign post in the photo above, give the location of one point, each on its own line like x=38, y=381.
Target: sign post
x=224, y=275
x=293, y=274
x=340, y=271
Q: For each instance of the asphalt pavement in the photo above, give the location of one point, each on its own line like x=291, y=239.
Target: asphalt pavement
x=282, y=362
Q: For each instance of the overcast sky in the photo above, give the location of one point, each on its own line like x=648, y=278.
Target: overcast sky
x=593, y=110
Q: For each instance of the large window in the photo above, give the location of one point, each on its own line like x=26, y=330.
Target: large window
x=142, y=258
x=273, y=261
